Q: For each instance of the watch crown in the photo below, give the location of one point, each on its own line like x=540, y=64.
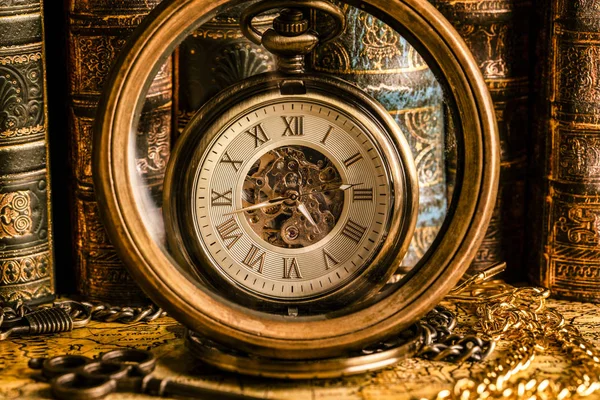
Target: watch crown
x=290, y=22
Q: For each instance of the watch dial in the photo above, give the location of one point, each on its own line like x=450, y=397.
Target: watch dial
x=292, y=199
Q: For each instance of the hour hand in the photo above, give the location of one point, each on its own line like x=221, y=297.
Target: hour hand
x=269, y=203
x=304, y=211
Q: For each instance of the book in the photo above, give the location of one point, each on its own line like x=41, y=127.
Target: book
x=565, y=194
x=215, y=56
x=371, y=55
x=97, y=30
x=497, y=33
x=26, y=252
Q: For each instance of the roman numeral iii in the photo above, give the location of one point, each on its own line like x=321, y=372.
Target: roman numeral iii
x=294, y=126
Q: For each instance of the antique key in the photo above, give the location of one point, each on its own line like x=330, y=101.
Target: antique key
x=75, y=377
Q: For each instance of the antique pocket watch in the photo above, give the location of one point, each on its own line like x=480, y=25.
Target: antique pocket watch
x=291, y=198
x=291, y=191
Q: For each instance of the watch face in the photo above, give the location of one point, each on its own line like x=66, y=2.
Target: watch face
x=291, y=199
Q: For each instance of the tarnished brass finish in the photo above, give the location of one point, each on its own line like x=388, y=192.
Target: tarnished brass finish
x=290, y=39
x=136, y=236
x=369, y=359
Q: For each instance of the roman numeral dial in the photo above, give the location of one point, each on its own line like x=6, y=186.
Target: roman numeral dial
x=291, y=200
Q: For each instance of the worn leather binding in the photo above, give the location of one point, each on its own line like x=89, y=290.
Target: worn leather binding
x=215, y=56
x=373, y=56
x=97, y=31
x=497, y=34
x=566, y=196
x=26, y=257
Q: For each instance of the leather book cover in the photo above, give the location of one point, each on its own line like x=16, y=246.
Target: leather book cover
x=565, y=254
x=26, y=255
x=97, y=30
x=374, y=57
x=214, y=57
x=497, y=33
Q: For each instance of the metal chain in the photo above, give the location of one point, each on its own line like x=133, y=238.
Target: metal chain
x=520, y=317
x=441, y=344
x=65, y=315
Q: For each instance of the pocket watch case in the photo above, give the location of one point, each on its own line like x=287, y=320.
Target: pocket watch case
x=291, y=198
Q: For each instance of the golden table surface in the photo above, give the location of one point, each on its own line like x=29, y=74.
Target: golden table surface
x=409, y=379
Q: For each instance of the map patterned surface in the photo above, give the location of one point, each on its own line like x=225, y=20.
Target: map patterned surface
x=409, y=379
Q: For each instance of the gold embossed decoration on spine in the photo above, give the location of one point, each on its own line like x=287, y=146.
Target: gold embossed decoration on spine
x=215, y=56
x=566, y=195
x=373, y=56
x=98, y=29
x=26, y=259
x=497, y=34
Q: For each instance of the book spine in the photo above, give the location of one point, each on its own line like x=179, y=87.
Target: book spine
x=97, y=30
x=215, y=56
x=26, y=254
x=374, y=57
x=565, y=157
x=497, y=34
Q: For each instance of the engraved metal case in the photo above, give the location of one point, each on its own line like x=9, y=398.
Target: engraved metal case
x=274, y=188
x=297, y=138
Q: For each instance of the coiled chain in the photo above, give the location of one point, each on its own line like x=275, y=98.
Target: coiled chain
x=520, y=318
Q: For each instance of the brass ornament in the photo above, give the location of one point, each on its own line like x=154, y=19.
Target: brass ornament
x=138, y=236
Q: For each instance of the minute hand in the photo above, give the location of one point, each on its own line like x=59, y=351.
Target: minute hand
x=268, y=203
x=342, y=186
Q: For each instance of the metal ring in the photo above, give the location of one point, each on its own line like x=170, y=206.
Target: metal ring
x=252, y=11
x=383, y=355
x=124, y=209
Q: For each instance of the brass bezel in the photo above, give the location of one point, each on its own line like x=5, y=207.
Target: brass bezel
x=279, y=337
x=259, y=90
